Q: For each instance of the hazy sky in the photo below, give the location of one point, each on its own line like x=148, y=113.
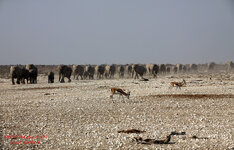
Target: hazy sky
x=120, y=31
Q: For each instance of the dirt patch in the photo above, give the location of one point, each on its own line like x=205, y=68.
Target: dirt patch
x=191, y=96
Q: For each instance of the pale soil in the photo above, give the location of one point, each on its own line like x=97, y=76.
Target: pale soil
x=80, y=114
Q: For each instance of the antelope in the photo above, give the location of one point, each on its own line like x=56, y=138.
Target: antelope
x=120, y=92
x=178, y=84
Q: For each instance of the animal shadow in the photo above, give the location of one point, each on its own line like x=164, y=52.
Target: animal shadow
x=157, y=143
x=140, y=140
x=131, y=131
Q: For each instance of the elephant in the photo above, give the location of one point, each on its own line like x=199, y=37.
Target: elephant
x=138, y=69
x=15, y=72
x=73, y=70
x=129, y=69
x=33, y=72
x=162, y=68
x=149, y=68
x=121, y=71
x=64, y=71
x=100, y=71
x=184, y=68
x=230, y=66
x=91, y=71
x=155, y=70
x=152, y=69
x=107, y=71
x=210, y=66
x=50, y=77
x=193, y=67
x=168, y=69
x=112, y=71
x=179, y=67
x=78, y=71
x=175, y=69
x=19, y=73
x=133, y=71
x=85, y=75
x=25, y=75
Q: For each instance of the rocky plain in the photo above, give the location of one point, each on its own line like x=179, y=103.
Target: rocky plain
x=81, y=115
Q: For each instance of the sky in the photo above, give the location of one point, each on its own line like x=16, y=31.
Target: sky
x=116, y=31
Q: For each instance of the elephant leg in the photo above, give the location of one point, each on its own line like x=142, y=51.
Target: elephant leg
x=62, y=80
x=12, y=80
x=141, y=76
x=136, y=76
x=18, y=81
x=23, y=81
x=59, y=77
x=31, y=80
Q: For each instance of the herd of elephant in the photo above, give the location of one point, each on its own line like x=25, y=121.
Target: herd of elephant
x=30, y=71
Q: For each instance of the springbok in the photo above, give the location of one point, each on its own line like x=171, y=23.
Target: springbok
x=178, y=84
x=120, y=92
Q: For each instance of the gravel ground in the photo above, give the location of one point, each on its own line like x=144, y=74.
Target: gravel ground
x=80, y=114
